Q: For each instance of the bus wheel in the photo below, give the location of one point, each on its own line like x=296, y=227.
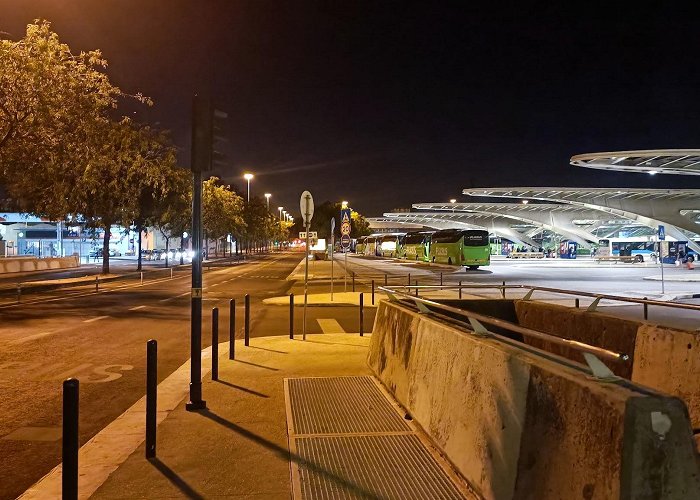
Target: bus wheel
x=640, y=258
x=473, y=268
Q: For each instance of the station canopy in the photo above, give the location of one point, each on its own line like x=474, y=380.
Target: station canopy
x=569, y=195
x=659, y=161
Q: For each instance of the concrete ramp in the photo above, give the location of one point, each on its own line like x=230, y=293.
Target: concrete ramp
x=520, y=423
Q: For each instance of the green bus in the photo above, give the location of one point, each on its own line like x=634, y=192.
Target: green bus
x=360, y=245
x=416, y=246
x=389, y=245
x=461, y=247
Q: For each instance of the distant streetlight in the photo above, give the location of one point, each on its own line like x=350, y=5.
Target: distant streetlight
x=185, y=235
x=525, y=202
x=247, y=177
x=453, y=200
x=344, y=204
x=280, y=211
x=267, y=200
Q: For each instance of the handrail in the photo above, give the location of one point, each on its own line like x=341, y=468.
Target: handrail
x=600, y=296
x=574, y=344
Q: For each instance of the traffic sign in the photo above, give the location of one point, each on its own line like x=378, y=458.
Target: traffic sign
x=345, y=221
x=332, y=225
x=662, y=233
x=345, y=241
x=312, y=235
x=306, y=204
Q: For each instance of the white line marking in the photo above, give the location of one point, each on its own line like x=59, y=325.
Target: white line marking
x=94, y=319
x=136, y=308
x=330, y=326
x=29, y=338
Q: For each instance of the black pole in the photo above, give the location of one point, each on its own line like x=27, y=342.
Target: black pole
x=247, y=319
x=97, y=284
x=577, y=303
x=440, y=279
x=151, y=396
x=291, y=316
x=646, y=309
x=71, y=444
x=215, y=343
x=362, y=315
x=416, y=288
x=372, y=292
x=460, y=289
x=201, y=160
x=386, y=279
x=232, y=329
x=409, y=280
x=503, y=290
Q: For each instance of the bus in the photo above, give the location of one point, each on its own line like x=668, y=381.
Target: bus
x=416, y=246
x=461, y=247
x=644, y=248
x=390, y=245
x=360, y=245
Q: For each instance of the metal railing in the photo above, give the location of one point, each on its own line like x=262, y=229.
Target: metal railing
x=506, y=325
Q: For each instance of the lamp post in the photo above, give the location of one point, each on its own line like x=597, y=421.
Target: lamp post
x=267, y=200
x=453, y=201
x=247, y=177
x=280, y=211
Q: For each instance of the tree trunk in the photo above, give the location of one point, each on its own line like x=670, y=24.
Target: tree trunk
x=105, y=249
x=140, y=230
x=167, y=249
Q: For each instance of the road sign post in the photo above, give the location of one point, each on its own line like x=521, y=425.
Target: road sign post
x=306, y=204
x=345, y=218
x=332, y=244
x=662, y=237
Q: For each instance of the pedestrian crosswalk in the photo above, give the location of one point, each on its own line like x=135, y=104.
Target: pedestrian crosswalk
x=261, y=276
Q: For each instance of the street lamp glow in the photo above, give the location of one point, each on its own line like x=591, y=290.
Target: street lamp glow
x=185, y=235
x=453, y=200
x=344, y=204
x=525, y=202
x=267, y=200
x=247, y=176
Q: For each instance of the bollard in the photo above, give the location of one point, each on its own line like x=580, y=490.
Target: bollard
x=646, y=309
x=416, y=288
x=71, y=444
x=386, y=279
x=97, y=284
x=141, y=277
x=291, y=316
x=372, y=292
x=353, y=281
x=171, y=273
x=440, y=279
x=503, y=290
x=460, y=289
x=577, y=303
x=232, y=329
x=19, y=292
x=247, y=320
x=215, y=343
x=409, y=280
x=151, y=396
x=362, y=315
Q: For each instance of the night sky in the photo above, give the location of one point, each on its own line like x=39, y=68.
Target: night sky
x=385, y=103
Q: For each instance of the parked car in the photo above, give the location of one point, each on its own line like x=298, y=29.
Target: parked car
x=113, y=252
x=147, y=254
x=95, y=253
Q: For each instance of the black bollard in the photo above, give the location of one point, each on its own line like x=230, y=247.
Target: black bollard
x=386, y=279
x=291, y=316
x=232, y=329
x=247, y=320
x=151, y=396
x=409, y=280
x=416, y=288
x=503, y=290
x=646, y=309
x=215, y=343
x=577, y=303
x=460, y=289
x=71, y=444
x=440, y=279
x=362, y=315
x=372, y=292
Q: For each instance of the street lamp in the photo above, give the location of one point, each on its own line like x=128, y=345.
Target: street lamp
x=267, y=200
x=344, y=204
x=280, y=211
x=247, y=177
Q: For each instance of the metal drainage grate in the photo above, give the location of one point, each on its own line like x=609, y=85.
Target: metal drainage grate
x=374, y=466
x=348, y=441
x=341, y=405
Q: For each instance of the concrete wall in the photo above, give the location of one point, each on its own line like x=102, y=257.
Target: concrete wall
x=23, y=264
x=518, y=425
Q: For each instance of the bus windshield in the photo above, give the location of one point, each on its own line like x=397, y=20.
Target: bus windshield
x=414, y=238
x=476, y=238
x=448, y=236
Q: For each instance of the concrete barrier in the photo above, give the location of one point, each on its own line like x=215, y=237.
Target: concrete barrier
x=517, y=424
x=595, y=328
x=30, y=264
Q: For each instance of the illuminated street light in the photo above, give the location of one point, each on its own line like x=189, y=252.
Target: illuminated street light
x=280, y=210
x=247, y=177
x=524, y=202
x=453, y=200
x=267, y=199
x=344, y=204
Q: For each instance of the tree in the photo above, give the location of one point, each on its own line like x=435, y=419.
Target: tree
x=171, y=216
x=222, y=211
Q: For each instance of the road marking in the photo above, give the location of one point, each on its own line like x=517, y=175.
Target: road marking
x=94, y=319
x=136, y=308
x=330, y=326
x=29, y=338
